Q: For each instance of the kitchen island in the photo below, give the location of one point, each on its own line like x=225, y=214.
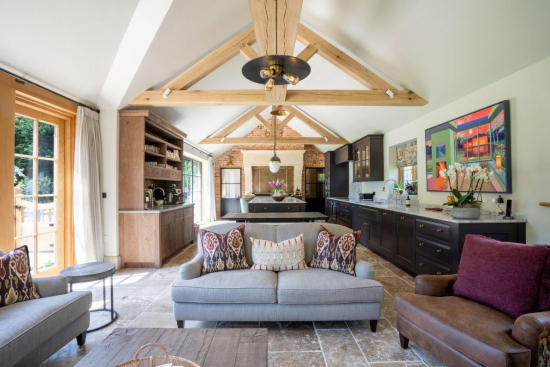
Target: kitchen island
x=266, y=204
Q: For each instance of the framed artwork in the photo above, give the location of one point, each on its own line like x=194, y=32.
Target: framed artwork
x=482, y=137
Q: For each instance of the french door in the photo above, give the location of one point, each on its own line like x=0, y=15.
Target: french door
x=39, y=166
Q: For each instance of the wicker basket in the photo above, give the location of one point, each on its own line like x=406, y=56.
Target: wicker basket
x=153, y=361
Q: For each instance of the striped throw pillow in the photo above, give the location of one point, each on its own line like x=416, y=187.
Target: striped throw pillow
x=285, y=255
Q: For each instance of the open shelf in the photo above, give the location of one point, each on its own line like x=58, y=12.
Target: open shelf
x=154, y=154
x=155, y=139
x=173, y=160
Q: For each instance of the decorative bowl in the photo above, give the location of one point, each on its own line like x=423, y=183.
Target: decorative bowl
x=278, y=198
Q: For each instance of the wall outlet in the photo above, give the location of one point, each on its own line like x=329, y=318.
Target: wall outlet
x=104, y=195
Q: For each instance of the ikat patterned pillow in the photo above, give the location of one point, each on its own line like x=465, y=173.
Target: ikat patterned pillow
x=223, y=251
x=335, y=252
x=285, y=255
x=15, y=277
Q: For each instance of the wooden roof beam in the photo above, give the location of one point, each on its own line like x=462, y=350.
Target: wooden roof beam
x=341, y=60
x=213, y=61
x=268, y=25
x=283, y=140
x=312, y=124
x=294, y=97
x=238, y=122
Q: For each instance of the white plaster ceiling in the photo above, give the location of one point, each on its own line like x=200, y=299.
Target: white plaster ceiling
x=441, y=49
x=67, y=44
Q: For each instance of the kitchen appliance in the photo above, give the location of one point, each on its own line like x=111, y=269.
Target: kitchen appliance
x=148, y=198
x=174, y=195
x=508, y=210
x=366, y=196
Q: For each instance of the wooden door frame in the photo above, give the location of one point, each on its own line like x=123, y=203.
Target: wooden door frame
x=16, y=94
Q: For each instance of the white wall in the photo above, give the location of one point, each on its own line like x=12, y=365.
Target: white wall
x=529, y=93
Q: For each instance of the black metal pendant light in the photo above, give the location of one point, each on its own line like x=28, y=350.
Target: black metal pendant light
x=276, y=69
x=274, y=162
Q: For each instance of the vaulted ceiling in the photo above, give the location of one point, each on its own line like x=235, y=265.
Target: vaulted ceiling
x=442, y=50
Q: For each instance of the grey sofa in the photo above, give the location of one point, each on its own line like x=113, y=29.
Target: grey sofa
x=297, y=295
x=31, y=331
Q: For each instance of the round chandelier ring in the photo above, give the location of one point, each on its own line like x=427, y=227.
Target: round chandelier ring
x=290, y=64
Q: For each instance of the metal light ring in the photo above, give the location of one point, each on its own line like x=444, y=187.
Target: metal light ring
x=290, y=65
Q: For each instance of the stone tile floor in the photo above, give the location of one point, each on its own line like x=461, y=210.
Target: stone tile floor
x=142, y=299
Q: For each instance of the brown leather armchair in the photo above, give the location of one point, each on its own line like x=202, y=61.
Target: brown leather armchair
x=459, y=332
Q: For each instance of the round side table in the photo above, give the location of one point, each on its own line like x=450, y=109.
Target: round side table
x=90, y=272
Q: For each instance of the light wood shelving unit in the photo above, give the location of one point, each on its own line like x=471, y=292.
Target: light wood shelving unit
x=147, y=238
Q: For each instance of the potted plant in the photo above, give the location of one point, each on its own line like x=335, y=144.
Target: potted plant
x=466, y=206
x=398, y=188
x=412, y=187
x=277, y=185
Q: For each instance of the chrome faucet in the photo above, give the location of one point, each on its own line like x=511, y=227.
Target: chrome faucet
x=154, y=190
x=384, y=188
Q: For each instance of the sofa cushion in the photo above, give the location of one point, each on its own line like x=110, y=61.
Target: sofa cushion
x=26, y=325
x=256, y=230
x=309, y=230
x=336, y=252
x=477, y=331
x=278, y=256
x=223, y=251
x=321, y=286
x=504, y=275
x=15, y=277
x=241, y=286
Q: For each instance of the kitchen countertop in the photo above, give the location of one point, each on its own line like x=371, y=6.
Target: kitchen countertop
x=420, y=210
x=269, y=200
x=159, y=209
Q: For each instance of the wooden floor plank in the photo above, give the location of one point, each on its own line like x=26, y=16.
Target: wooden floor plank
x=223, y=350
x=171, y=339
x=104, y=353
x=206, y=347
x=126, y=354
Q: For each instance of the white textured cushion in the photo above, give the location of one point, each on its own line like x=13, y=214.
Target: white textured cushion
x=273, y=256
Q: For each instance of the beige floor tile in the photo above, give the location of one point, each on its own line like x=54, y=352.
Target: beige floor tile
x=398, y=364
x=132, y=277
x=383, y=345
x=387, y=309
x=296, y=359
x=128, y=308
x=427, y=358
x=162, y=304
x=340, y=349
x=154, y=320
x=151, y=288
x=394, y=285
x=291, y=336
x=320, y=325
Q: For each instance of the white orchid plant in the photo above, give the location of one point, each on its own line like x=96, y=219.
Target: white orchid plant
x=478, y=177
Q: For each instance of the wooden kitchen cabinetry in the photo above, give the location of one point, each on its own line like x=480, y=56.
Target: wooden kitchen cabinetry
x=148, y=237
x=368, y=159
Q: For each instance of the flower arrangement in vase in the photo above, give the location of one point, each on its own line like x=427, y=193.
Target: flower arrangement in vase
x=276, y=185
x=466, y=206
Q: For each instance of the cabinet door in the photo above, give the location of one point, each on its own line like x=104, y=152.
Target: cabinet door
x=167, y=243
x=404, y=245
x=179, y=233
x=188, y=225
x=373, y=239
x=327, y=208
x=357, y=172
x=387, y=239
x=365, y=161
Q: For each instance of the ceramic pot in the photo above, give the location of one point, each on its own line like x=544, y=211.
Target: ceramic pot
x=465, y=213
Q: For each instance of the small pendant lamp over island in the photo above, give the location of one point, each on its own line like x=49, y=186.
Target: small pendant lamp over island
x=274, y=162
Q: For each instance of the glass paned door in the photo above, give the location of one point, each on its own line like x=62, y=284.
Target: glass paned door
x=38, y=191
x=365, y=151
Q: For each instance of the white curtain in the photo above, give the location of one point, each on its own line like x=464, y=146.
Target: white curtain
x=88, y=227
x=209, y=195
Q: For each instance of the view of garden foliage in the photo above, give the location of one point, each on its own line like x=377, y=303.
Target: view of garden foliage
x=24, y=145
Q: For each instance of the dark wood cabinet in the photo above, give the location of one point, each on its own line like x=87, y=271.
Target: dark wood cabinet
x=368, y=159
x=404, y=240
x=387, y=234
x=417, y=244
x=343, y=154
x=336, y=177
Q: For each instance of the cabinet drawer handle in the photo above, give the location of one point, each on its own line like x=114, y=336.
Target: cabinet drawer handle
x=288, y=208
x=438, y=273
x=438, y=251
x=439, y=230
x=265, y=208
x=384, y=213
x=421, y=244
x=402, y=218
x=421, y=226
x=421, y=264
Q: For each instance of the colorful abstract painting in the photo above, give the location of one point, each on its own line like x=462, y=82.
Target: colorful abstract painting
x=481, y=137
